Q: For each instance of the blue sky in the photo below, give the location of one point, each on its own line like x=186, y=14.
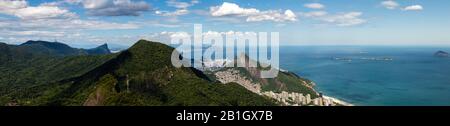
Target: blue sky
x=299, y=22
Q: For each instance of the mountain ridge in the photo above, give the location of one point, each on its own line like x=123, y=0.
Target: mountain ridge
x=33, y=48
x=157, y=82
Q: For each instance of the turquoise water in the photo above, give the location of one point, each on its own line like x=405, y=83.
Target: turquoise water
x=393, y=76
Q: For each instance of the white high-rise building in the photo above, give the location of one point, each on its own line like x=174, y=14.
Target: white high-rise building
x=308, y=98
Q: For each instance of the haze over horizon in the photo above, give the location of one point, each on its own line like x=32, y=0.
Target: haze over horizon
x=300, y=22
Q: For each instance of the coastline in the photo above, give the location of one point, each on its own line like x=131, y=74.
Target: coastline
x=338, y=101
x=286, y=98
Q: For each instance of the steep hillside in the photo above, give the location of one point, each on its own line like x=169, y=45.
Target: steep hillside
x=29, y=79
x=285, y=81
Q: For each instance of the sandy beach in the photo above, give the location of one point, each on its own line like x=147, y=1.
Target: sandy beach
x=338, y=101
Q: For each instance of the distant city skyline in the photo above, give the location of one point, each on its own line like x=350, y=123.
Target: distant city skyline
x=299, y=22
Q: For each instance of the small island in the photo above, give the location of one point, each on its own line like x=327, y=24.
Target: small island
x=441, y=54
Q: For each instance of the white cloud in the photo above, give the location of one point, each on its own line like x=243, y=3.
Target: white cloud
x=314, y=14
x=413, y=8
x=174, y=13
x=180, y=5
x=164, y=24
x=276, y=16
x=59, y=29
x=97, y=4
x=43, y=12
x=8, y=6
x=50, y=29
x=340, y=19
x=195, y=1
x=251, y=14
x=178, y=35
x=73, y=1
x=73, y=24
x=37, y=33
x=114, y=7
x=181, y=8
x=49, y=21
x=314, y=6
x=232, y=9
x=99, y=25
x=345, y=19
x=22, y=10
x=226, y=19
x=3, y=24
x=389, y=4
x=165, y=37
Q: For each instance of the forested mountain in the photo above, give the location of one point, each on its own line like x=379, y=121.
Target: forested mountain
x=140, y=76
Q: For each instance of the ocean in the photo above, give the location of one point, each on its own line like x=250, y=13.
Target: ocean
x=374, y=75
